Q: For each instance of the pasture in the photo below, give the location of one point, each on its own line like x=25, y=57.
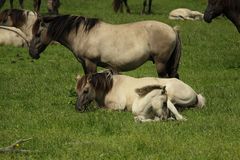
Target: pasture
x=37, y=96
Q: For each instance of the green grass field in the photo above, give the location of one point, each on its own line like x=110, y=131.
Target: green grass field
x=36, y=97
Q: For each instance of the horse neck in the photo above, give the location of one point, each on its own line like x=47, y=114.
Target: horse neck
x=26, y=28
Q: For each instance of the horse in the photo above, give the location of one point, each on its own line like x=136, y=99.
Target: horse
x=185, y=14
x=12, y=36
x=118, y=5
x=151, y=104
x=229, y=8
x=118, y=92
x=122, y=47
x=36, y=4
x=21, y=19
x=53, y=6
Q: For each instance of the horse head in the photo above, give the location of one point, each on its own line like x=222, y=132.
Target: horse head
x=214, y=9
x=92, y=87
x=12, y=17
x=40, y=38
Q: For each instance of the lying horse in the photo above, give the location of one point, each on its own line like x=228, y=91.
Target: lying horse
x=21, y=19
x=230, y=8
x=36, y=4
x=12, y=36
x=121, y=47
x=117, y=92
x=185, y=14
x=118, y=5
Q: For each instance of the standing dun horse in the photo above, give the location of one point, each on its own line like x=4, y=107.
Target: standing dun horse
x=118, y=5
x=121, y=47
x=230, y=8
x=121, y=92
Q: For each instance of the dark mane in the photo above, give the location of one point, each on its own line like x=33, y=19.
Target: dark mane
x=61, y=25
x=146, y=89
x=100, y=81
x=17, y=16
x=232, y=4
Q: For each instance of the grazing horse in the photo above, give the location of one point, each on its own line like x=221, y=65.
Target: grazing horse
x=118, y=92
x=118, y=4
x=185, y=14
x=230, y=8
x=12, y=36
x=36, y=4
x=121, y=47
x=21, y=19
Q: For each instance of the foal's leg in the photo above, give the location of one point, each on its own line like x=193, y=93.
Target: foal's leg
x=128, y=9
x=173, y=109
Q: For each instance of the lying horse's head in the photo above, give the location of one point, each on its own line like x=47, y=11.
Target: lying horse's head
x=230, y=8
x=92, y=87
x=13, y=17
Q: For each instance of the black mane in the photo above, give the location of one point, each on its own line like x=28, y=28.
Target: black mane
x=61, y=25
x=17, y=16
x=232, y=4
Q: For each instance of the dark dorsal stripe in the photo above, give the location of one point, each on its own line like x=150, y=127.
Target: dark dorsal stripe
x=146, y=89
x=62, y=25
x=17, y=16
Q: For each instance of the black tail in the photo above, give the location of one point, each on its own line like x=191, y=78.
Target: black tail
x=116, y=5
x=173, y=62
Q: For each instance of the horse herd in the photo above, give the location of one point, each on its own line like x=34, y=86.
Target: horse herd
x=118, y=48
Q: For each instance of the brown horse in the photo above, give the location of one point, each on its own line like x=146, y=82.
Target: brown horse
x=121, y=47
x=230, y=8
x=36, y=4
x=118, y=5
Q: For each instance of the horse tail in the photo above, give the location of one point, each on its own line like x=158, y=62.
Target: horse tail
x=200, y=101
x=116, y=5
x=173, y=62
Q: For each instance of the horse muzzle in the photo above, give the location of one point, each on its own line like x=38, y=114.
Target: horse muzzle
x=80, y=107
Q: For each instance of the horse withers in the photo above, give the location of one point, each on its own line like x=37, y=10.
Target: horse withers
x=118, y=92
x=122, y=47
x=230, y=8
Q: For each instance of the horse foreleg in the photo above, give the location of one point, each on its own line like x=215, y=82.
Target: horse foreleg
x=21, y=4
x=11, y=4
x=149, y=6
x=126, y=5
x=89, y=67
x=173, y=109
x=36, y=5
x=144, y=6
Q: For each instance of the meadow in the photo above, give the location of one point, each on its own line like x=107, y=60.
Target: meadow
x=37, y=96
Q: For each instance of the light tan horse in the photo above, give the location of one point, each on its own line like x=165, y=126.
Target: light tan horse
x=12, y=36
x=121, y=47
x=117, y=92
x=21, y=19
x=185, y=14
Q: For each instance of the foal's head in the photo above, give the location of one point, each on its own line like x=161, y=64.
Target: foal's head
x=92, y=87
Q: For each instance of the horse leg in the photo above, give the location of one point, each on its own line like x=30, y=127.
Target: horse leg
x=161, y=68
x=11, y=4
x=144, y=6
x=36, y=5
x=173, y=109
x=89, y=67
x=149, y=6
x=128, y=9
x=21, y=4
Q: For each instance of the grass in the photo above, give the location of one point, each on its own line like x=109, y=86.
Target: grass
x=36, y=97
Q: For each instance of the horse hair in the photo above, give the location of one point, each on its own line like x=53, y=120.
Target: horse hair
x=146, y=89
x=100, y=81
x=231, y=4
x=60, y=26
x=17, y=15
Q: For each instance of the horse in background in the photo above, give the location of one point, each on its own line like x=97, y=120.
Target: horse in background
x=185, y=14
x=21, y=19
x=121, y=47
x=36, y=4
x=230, y=8
x=118, y=5
x=121, y=92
